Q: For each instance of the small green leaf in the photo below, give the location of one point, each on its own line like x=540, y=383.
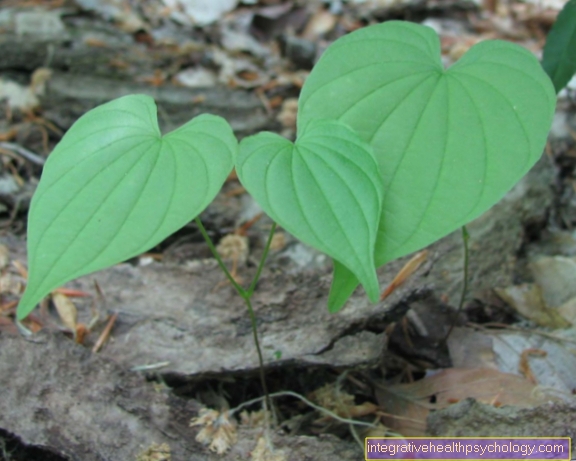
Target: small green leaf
x=114, y=187
x=559, y=57
x=325, y=189
x=450, y=143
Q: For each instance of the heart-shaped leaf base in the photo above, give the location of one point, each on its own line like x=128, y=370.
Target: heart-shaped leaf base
x=450, y=143
x=114, y=187
x=325, y=189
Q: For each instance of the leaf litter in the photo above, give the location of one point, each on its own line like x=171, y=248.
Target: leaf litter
x=501, y=359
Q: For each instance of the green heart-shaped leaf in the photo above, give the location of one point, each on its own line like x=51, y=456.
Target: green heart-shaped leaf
x=114, y=187
x=559, y=54
x=325, y=189
x=450, y=143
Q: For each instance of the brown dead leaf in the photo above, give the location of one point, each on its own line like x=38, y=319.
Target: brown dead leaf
x=10, y=284
x=218, y=430
x=81, y=333
x=406, y=406
x=155, y=453
x=4, y=256
x=528, y=300
x=340, y=402
x=7, y=326
x=253, y=418
x=233, y=247
x=287, y=115
x=8, y=306
x=20, y=268
x=264, y=452
x=321, y=22
x=278, y=241
x=66, y=310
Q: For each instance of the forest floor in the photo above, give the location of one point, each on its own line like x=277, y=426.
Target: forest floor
x=115, y=365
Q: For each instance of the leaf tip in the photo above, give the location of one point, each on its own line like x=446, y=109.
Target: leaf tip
x=25, y=306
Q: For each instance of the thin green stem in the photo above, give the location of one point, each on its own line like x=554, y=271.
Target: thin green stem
x=465, y=238
x=260, y=358
x=246, y=295
x=238, y=288
x=262, y=261
x=307, y=402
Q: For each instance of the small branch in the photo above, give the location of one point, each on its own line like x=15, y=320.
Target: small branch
x=22, y=152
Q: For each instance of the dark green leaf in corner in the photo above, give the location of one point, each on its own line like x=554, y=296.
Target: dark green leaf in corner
x=115, y=187
x=450, y=143
x=559, y=56
x=325, y=189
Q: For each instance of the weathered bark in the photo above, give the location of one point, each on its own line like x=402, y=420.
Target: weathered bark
x=93, y=62
x=73, y=405
x=68, y=96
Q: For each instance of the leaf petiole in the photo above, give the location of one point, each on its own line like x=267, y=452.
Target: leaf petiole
x=246, y=295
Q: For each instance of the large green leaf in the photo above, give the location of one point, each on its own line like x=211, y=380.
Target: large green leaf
x=559, y=57
x=325, y=189
x=114, y=187
x=450, y=143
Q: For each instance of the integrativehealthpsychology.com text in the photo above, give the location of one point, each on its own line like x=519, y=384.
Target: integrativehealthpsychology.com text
x=473, y=448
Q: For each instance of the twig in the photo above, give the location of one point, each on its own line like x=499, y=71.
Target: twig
x=105, y=333
x=23, y=152
x=152, y=366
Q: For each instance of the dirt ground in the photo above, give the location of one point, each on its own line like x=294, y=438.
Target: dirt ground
x=164, y=337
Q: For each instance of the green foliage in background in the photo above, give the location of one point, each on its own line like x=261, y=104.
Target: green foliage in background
x=559, y=57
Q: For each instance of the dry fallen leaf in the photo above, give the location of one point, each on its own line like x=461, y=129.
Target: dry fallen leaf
x=319, y=24
x=263, y=452
x=4, y=256
x=340, y=402
x=233, y=247
x=406, y=406
x=218, y=430
x=278, y=241
x=527, y=299
x=287, y=115
x=66, y=310
x=155, y=453
x=10, y=284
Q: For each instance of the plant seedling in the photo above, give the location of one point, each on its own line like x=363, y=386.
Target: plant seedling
x=393, y=152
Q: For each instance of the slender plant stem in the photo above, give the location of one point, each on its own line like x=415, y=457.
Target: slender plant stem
x=307, y=402
x=238, y=288
x=246, y=295
x=262, y=261
x=465, y=238
x=260, y=358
